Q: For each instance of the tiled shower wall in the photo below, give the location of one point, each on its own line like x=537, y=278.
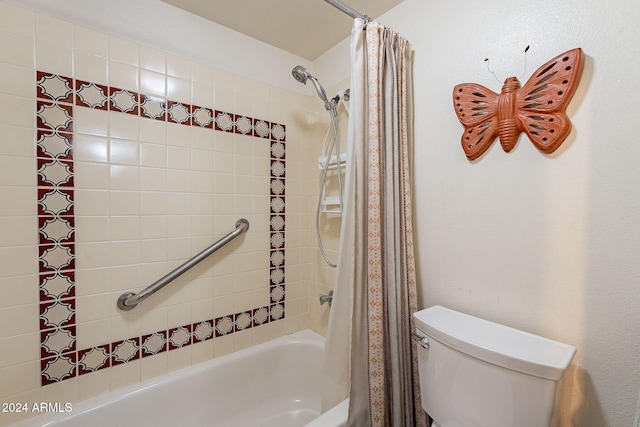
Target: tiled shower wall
x=117, y=163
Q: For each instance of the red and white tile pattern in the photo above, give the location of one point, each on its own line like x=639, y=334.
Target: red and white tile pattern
x=57, y=96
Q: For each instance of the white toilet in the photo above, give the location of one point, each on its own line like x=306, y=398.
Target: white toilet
x=475, y=373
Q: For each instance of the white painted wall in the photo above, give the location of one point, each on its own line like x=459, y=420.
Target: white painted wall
x=548, y=244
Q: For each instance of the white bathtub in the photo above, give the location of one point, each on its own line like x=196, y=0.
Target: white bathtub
x=272, y=384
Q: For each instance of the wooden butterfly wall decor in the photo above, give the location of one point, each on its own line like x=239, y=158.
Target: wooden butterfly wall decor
x=537, y=108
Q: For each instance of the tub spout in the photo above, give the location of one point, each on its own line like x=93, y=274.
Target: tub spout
x=326, y=298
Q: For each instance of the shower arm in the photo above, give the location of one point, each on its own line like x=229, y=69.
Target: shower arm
x=348, y=10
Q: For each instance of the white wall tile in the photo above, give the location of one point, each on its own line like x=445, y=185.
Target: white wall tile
x=54, y=59
x=16, y=111
x=153, y=226
x=178, y=180
x=92, y=176
x=178, y=158
x=17, y=171
x=153, y=203
x=16, y=80
x=153, y=155
x=21, y=141
x=20, y=290
x=19, y=378
x=125, y=252
x=23, y=318
x=123, y=76
x=89, y=67
x=123, y=51
x=203, y=94
x=94, y=384
x=90, y=41
x=54, y=31
x=125, y=227
x=179, y=90
x=178, y=135
x=124, y=151
x=179, y=67
x=124, y=177
x=124, y=277
x=18, y=230
x=153, y=59
x=93, y=122
x=92, y=255
x=153, y=179
x=153, y=131
x=153, y=83
x=94, y=228
x=124, y=203
x=17, y=20
x=90, y=148
x=201, y=182
x=18, y=261
x=19, y=349
x=92, y=307
x=16, y=49
x=94, y=281
x=153, y=250
x=125, y=126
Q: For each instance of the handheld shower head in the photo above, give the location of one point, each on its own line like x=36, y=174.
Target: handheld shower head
x=301, y=74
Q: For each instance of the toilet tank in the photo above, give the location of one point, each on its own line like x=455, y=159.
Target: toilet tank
x=477, y=373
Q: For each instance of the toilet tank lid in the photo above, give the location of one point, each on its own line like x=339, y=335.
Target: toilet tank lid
x=494, y=343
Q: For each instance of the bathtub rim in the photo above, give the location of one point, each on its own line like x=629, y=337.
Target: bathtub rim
x=306, y=336
x=334, y=417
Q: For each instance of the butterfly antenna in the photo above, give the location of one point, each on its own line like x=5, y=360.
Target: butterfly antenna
x=491, y=71
x=526, y=49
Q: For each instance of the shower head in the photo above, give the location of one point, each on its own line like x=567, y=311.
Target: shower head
x=301, y=74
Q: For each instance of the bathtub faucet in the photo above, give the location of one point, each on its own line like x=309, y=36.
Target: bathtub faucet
x=326, y=298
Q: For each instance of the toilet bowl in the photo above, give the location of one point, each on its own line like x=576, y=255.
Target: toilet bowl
x=477, y=373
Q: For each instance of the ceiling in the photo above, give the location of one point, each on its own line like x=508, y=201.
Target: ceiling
x=306, y=28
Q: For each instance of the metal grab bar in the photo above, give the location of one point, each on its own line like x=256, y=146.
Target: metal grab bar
x=130, y=300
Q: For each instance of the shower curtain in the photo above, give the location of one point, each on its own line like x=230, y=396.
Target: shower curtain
x=370, y=356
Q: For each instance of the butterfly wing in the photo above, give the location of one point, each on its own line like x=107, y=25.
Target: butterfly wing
x=546, y=130
x=542, y=101
x=476, y=108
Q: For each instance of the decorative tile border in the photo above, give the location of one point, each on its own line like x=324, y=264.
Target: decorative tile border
x=57, y=96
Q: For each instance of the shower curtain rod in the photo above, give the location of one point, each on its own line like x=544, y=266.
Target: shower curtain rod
x=348, y=10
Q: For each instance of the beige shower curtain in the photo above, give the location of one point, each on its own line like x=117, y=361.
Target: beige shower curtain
x=369, y=348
